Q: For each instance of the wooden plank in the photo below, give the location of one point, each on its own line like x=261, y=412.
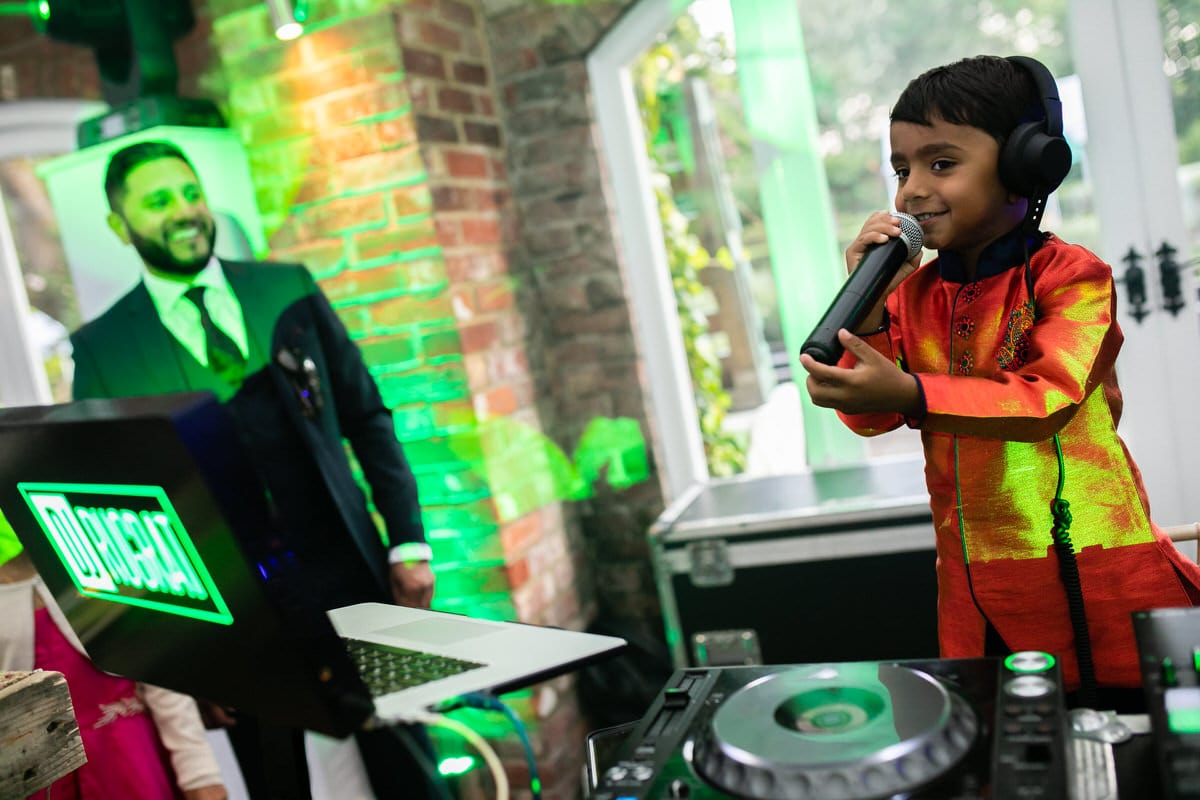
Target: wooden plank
x=39, y=738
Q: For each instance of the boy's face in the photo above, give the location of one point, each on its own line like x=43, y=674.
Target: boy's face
x=949, y=180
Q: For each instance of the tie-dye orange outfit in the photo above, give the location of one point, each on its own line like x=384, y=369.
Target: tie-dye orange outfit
x=999, y=379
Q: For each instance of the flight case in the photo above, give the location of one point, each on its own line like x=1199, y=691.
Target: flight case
x=829, y=565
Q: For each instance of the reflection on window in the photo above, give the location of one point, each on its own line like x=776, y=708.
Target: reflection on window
x=53, y=309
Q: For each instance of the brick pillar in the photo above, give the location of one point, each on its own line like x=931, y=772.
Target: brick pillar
x=449, y=77
x=332, y=140
x=34, y=67
x=581, y=341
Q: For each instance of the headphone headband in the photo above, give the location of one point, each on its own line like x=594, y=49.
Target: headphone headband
x=1047, y=91
x=1035, y=157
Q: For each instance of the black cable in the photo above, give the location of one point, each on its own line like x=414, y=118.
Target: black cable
x=1068, y=571
x=1068, y=565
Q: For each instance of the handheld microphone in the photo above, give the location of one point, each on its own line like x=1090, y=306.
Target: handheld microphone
x=862, y=290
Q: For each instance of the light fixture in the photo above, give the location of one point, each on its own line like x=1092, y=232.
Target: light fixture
x=284, y=20
x=37, y=10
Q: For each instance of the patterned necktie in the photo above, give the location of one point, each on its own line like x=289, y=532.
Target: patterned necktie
x=224, y=357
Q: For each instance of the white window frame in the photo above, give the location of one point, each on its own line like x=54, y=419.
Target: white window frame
x=642, y=253
x=28, y=129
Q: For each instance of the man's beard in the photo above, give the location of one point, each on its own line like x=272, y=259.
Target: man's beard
x=157, y=255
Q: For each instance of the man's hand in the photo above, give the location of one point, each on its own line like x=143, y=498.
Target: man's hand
x=412, y=584
x=874, y=384
x=214, y=791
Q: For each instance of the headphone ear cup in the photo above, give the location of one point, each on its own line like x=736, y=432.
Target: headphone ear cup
x=1032, y=162
x=1016, y=171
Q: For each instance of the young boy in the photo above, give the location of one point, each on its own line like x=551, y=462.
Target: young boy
x=1005, y=346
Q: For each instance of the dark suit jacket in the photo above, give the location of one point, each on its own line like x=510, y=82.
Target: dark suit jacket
x=301, y=458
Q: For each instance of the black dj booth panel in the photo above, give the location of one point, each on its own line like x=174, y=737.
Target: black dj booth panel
x=831, y=565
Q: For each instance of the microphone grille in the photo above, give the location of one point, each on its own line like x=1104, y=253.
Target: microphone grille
x=910, y=232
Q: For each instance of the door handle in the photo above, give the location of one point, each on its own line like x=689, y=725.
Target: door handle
x=1168, y=276
x=1135, y=284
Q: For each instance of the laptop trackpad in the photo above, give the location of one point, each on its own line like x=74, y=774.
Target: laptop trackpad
x=437, y=631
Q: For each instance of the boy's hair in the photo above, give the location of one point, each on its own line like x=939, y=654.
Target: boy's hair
x=124, y=161
x=985, y=92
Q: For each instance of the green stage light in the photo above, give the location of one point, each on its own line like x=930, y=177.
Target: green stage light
x=37, y=10
x=285, y=20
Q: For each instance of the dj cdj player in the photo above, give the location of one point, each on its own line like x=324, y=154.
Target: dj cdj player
x=967, y=728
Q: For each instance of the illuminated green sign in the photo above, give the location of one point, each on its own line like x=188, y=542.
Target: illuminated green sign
x=126, y=544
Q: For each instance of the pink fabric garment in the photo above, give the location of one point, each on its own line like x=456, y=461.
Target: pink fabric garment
x=125, y=758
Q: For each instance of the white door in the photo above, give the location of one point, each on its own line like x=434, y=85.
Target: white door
x=1132, y=150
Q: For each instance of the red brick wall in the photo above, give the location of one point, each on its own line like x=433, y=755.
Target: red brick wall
x=581, y=342
x=33, y=67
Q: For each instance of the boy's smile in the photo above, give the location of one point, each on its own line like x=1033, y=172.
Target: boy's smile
x=949, y=181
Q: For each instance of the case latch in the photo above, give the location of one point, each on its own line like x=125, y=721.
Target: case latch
x=709, y=563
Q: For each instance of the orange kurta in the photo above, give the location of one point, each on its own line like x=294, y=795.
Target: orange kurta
x=998, y=382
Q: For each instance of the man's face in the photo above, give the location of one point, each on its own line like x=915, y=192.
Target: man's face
x=164, y=216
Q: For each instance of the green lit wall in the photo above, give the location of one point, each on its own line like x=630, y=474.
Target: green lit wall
x=380, y=166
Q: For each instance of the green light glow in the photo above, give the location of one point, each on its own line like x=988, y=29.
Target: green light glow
x=126, y=544
x=40, y=11
x=1183, y=709
x=456, y=765
x=10, y=546
x=1019, y=662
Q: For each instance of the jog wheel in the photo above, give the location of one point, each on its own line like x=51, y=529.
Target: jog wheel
x=835, y=732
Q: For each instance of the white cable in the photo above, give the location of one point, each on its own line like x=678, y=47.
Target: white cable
x=489, y=755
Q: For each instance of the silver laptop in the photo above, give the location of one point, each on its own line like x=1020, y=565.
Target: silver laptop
x=209, y=603
x=442, y=656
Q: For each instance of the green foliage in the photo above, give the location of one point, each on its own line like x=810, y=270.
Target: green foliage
x=657, y=76
x=1181, y=61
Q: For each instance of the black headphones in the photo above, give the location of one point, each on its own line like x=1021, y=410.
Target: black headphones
x=1035, y=157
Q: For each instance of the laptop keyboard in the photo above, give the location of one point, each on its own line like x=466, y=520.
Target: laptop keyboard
x=385, y=669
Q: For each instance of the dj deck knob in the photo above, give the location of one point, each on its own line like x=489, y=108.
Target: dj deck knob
x=678, y=789
x=835, y=732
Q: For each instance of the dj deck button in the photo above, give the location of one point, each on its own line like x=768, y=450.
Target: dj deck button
x=1182, y=705
x=1168, y=672
x=1029, y=661
x=616, y=774
x=1029, y=687
x=678, y=790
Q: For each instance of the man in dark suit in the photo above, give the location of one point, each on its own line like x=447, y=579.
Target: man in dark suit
x=264, y=338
